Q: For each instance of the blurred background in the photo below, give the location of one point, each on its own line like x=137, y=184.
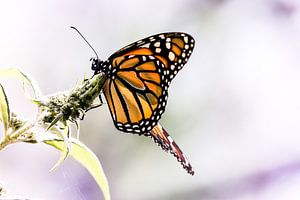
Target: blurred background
x=234, y=109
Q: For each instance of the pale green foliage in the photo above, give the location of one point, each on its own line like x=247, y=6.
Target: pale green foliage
x=51, y=126
x=4, y=109
x=88, y=159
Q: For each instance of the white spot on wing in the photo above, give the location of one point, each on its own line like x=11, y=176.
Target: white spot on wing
x=168, y=45
x=135, y=126
x=151, y=39
x=170, y=139
x=158, y=50
x=185, y=39
x=162, y=36
x=171, y=56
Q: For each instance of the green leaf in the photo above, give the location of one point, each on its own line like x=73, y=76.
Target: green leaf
x=88, y=159
x=4, y=110
x=65, y=150
x=25, y=78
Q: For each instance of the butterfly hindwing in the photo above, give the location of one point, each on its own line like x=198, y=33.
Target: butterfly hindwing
x=136, y=93
x=163, y=139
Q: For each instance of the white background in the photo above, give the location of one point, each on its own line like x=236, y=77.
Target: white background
x=234, y=109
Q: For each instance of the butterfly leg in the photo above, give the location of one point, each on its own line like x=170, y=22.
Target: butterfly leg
x=92, y=107
x=100, y=99
x=96, y=105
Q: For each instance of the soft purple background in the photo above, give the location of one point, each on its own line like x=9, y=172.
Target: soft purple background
x=234, y=109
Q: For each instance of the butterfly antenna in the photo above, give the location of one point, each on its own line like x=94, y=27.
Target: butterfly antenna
x=85, y=40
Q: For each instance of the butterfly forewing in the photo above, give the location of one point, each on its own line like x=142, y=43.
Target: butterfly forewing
x=172, y=49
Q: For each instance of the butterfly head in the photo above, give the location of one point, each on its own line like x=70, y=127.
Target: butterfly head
x=98, y=65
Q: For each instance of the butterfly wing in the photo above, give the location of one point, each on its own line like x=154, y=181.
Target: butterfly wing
x=163, y=139
x=138, y=79
x=137, y=86
x=136, y=93
x=172, y=49
x=136, y=100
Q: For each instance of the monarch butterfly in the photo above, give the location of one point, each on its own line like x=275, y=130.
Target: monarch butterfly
x=137, y=81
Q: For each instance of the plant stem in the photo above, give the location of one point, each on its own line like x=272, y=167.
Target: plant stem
x=13, y=137
x=4, y=143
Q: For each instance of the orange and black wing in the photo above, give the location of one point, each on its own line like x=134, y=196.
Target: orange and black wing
x=139, y=76
x=137, y=86
x=136, y=93
x=172, y=49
